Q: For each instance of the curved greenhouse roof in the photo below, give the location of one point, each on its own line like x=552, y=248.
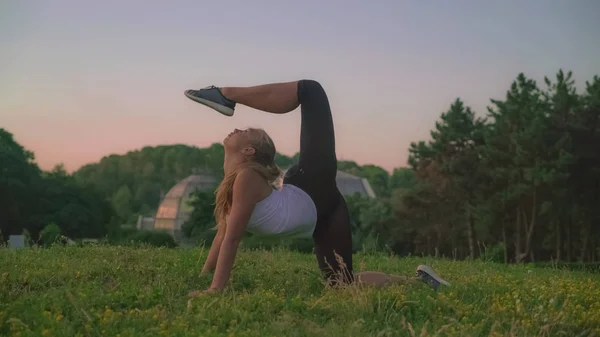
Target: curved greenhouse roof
x=350, y=184
x=174, y=209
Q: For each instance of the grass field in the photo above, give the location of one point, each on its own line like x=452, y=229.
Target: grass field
x=118, y=291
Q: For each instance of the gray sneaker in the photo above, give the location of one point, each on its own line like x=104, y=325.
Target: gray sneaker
x=212, y=97
x=429, y=276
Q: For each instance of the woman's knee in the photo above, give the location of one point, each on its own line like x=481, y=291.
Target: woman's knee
x=310, y=88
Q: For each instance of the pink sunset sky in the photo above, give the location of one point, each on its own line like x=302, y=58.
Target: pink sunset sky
x=84, y=79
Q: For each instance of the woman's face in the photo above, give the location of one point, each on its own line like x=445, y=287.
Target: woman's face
x=238, y=140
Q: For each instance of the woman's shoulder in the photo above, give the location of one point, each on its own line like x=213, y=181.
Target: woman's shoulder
x=250, y=182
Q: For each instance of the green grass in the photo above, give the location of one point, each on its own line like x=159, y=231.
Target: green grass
x=118, y=291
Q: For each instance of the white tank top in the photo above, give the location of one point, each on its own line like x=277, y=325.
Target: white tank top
x=288, y=212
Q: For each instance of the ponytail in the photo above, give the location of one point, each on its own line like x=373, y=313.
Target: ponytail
x=224, y=198
x=274, y=173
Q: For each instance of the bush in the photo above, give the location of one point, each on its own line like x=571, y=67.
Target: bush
x=202, y=237
x=122, y=235
x=494, y=253
x=153, y=238
x=50, y=235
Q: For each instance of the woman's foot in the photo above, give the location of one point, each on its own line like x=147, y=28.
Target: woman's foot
x=429, y=276
x=212, y=97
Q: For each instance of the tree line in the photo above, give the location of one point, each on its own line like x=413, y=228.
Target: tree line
x=98, y=198
x=518, y=183
x=524, y=178
x=32, y=200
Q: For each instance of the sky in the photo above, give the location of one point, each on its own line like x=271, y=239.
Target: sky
x=80, y=80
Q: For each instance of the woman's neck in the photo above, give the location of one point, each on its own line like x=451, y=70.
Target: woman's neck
x=231, y=163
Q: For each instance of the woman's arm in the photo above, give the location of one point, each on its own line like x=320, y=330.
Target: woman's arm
x=213, y=254
x=246, y=193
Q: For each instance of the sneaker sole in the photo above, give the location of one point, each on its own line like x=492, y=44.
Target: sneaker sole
x=220, y=108
x=433, y=274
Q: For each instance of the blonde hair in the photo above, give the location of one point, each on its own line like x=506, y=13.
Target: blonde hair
x=262, y=162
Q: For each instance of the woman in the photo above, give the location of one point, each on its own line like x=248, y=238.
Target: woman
x=308, y=204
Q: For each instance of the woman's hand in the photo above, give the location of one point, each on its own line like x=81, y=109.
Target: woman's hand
x=198, y=293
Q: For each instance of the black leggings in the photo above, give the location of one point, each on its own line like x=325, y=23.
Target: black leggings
x=315, y=173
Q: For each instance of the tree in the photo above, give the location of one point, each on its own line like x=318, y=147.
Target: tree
x=370, y=218
x=201, y=220
x=449, y=164
x=122, y=202
x=18, y=176
x=403, y=177
x=583, y=128
x=378, y=179
x=563, y=106
x=520, y=122
x=79, y=210
x=456, y=142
